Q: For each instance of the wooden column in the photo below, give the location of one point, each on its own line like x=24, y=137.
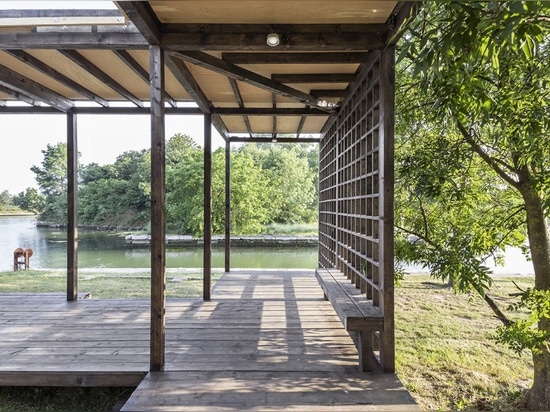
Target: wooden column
x=207, y=256
x=158, y=219
x=72, y=208
x=227, y=206
x=386, y=166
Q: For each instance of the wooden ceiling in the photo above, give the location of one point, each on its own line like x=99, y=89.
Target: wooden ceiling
x=216, y=56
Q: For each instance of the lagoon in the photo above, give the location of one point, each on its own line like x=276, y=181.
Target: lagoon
x=109, y=250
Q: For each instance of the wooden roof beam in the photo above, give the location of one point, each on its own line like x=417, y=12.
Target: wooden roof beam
x=19, y=96
x=52, y=13
x=59, y=77
x=100, y=75
x=274, y=118
x=358, y=37
x=397, y=23
x=239, y=98
x=300, y=126
x=238, y=139
x=144, y=18
x=238, y=73
x=327, y=93
x=296, y=58
x=26, y=86
x=188, y=82
x=314, y=78
x=70, y=40
x=141, y=72
x=268, y=111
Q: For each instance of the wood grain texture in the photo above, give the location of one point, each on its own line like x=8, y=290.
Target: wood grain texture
x=266, y=340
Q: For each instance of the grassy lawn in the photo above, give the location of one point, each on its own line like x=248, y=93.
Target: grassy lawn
x=444, y=352
x=445, y=355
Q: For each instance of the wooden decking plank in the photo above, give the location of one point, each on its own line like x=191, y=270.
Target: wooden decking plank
x=261, y=331
x=295, y=391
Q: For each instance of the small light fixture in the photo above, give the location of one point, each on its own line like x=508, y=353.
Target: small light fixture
x=322, y=103
x=273, y=39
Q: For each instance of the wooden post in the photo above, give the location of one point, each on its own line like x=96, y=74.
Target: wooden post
x=72, y=208
x=207, y=256
x=227, y=205
x=386, y=165
x=158, y=219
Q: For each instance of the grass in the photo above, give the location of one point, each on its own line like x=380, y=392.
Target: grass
x=104, y=285
x=445, y=356
x=444, y=353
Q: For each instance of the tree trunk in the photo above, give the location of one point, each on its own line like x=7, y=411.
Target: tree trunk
x=538, y=397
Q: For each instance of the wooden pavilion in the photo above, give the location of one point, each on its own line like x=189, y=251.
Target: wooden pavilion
x=258, y=71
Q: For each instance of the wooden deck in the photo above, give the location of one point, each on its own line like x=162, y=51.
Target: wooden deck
x=267, y=340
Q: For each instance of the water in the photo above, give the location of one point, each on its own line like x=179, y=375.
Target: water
x=104, y=250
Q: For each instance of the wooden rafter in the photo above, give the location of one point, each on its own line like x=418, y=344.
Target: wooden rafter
x=247, y=76
x=300, y=126
x=29, y=87
x=19, y=96
x=141, y=72
x=274, y=118
x=100, y=74
x=60, y=77
x=188, y=82
x=239, y=98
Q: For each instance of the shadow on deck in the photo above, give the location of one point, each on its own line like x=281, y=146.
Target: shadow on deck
x=267, y=340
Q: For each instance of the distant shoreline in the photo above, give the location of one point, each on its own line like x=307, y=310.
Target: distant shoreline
x=236, y=241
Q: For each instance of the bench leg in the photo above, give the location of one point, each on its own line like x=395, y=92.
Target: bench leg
x=366, y=354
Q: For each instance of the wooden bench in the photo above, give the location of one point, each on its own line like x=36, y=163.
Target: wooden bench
x=356, y=313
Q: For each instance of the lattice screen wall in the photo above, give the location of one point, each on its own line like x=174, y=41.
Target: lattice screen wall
x=356, y=189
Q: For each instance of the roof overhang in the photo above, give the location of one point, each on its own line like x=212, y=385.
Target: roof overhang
x=216, y=56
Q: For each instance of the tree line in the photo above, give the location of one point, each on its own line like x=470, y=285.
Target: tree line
x=270, y=183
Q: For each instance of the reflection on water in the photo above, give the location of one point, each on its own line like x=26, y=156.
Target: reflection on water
x=104, y=250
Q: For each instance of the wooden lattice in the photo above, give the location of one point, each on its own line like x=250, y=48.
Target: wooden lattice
x=356, y=191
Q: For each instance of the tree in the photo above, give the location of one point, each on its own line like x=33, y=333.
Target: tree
x=52, y=176
x=5, y=198
x=116, y=194
x=480, y=70
x=30, y=200
x=52, y=181
x=249, y=197
x=176, y=148
x=292, y=182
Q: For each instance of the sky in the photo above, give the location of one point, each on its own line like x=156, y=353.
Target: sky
x=101, y=138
